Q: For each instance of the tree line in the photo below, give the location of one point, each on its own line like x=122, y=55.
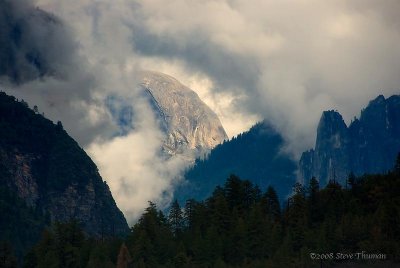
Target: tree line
x=240, y=225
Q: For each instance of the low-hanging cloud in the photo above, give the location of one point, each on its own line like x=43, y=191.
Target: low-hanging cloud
x=291, y=59
x=136, y=170
x=84, y=74
x=280, y=60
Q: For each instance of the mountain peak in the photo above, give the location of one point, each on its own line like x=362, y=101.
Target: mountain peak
x=188, y=123
x=154, y=80
x=331, y=116
x=379, y=99
x=368, y=145
x=330, y=125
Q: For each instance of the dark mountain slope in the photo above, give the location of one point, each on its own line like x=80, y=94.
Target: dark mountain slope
x=45, y=172
x=255, y=155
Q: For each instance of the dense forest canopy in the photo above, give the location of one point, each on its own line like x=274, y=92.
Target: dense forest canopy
x=240, y=225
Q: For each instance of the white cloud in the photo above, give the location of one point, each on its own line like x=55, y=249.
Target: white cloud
x=135, y=171
x=285, y=61
x=290, y=59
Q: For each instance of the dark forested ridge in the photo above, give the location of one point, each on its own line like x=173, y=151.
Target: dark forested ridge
x=255, y=155
x=46, y=177
x=48, y=183
x=241, y=226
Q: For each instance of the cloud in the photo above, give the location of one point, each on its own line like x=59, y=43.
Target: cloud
x=33, y=43
x=285, y=61
x=290, y=59
x=135, y=168
x=41, y=61
x=136, y=171
x=234, y=119
x=85, y=76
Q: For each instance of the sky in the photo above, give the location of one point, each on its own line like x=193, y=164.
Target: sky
x=285, y=61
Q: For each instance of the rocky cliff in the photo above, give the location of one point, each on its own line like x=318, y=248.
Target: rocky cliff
x=369, y=145
x=188, y=123
x=45, y=168
x=330, y=158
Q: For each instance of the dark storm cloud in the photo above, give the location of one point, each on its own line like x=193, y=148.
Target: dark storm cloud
x=33, y=43
x=40, y=62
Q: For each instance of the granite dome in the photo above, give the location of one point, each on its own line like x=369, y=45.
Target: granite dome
x=187, y=121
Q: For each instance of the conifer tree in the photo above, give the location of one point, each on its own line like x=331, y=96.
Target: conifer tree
x=271, y=205
x=258, y=232
x=234, y=191
x=188, y=215
x=313, y=203
x=124, y=257
x=175, y=218
x=296, y=216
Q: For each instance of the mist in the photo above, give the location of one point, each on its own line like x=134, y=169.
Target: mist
x=82, y=74
x=248, y=60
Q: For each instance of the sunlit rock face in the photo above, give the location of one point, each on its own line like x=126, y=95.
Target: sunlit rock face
x=190, y=126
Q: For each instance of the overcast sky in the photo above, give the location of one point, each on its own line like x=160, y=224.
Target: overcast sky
x=285, y=61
